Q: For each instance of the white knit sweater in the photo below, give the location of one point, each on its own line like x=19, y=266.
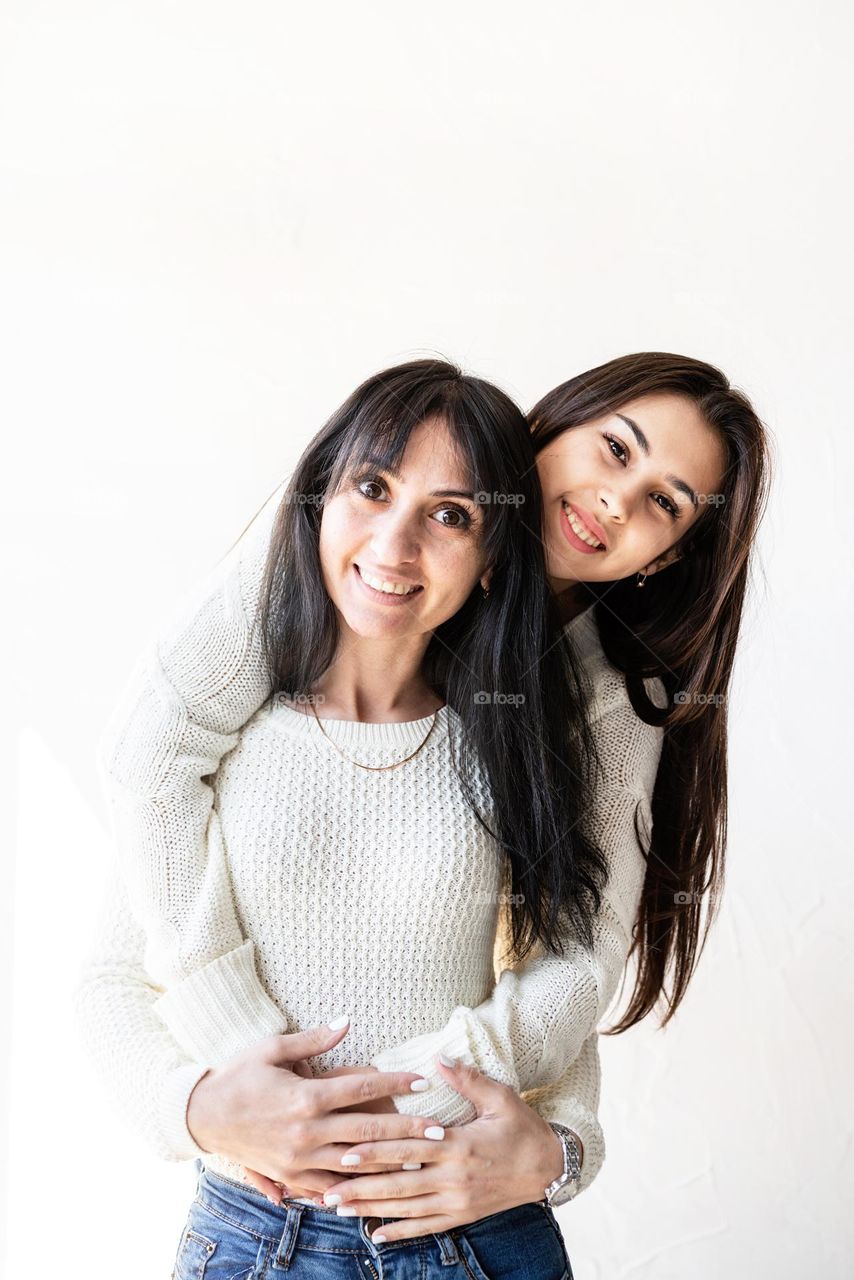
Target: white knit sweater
x=264, y=884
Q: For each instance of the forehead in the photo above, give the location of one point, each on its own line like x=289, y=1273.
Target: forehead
x=431, y=446
x=664, y=411
x=407, y=454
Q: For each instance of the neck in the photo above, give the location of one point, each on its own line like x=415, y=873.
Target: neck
x=376, y=681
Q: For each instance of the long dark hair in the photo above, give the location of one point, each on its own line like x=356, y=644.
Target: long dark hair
x=682, y=627
x=530, y=735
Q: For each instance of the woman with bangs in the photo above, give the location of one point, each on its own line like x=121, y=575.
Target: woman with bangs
x=393, y=616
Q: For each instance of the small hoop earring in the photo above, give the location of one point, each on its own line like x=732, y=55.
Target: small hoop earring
x=642, y=577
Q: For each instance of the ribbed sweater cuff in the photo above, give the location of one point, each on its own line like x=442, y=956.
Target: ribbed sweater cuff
x=221, y=1009
x=178, y=1142
x=440, y=1102
x=572, y=1113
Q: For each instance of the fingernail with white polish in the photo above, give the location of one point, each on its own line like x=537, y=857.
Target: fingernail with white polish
x=418, y=1086
x=337, y=1023
x=411, y=1166
x=434, y=1131
x=346, y=1211
x=353, y=1159
x=446, y=1061
x=332, y=1197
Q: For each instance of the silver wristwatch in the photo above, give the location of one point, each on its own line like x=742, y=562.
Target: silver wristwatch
x=566, y=1186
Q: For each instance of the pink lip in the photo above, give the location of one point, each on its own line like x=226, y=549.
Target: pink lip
x=380, y=596
x=385, y=576
x=573, y=538
x=592, y=525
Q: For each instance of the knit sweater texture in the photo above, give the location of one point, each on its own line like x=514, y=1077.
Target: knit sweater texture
x=263, y=883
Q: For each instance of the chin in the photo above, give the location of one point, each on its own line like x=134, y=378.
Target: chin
x=371, y=627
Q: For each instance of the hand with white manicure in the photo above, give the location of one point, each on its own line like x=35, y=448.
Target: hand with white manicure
x=287, y=1128
x=506, y=1156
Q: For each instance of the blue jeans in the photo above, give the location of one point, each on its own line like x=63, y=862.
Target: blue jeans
x=233, y=1232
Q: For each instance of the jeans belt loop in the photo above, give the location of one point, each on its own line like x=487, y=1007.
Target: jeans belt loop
x=288, y=1240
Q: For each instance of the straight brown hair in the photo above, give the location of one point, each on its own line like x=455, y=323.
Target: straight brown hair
x=683, y=627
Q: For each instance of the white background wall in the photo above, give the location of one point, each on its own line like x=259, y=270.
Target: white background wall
x=215, y=219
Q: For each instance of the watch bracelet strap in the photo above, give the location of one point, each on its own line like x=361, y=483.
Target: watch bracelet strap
x=571, y=1163
x=564, y=1128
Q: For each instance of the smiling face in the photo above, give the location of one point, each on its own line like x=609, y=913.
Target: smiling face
x=621, y=490
x=381, y=535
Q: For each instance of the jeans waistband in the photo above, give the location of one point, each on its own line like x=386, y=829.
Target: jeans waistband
x=316, y=1227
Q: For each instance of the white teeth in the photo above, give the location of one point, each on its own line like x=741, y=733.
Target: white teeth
x=579, y=529
x=390, y=588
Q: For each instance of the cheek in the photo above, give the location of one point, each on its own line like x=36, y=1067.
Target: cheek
x=339, y=527
x=563, y=467
x=651, y=540
x=453, y=567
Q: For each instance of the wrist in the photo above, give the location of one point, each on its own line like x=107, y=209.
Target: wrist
x=199, y=1110
x=565, y=1186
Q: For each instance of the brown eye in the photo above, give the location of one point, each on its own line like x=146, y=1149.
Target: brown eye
x=612, y=440
x=372, y=482
x=669, y=508
x=464, y=521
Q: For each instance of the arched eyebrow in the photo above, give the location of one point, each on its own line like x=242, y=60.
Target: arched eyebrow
x=643, y=445
x=398, y=475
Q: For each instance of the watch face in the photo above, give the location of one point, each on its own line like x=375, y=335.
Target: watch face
x=563, y=1194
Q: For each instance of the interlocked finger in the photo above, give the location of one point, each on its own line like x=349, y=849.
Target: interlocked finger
x=412, y=1207
x=404, y=1151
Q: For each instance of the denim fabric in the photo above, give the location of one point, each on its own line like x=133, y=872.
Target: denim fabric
x=233, y=1232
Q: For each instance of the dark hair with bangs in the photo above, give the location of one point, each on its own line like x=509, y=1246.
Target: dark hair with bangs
x=535, y=750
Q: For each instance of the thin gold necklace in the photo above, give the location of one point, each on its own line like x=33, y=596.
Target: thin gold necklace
x=375, y=768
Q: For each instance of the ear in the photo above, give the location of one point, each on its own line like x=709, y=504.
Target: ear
x=486, y=580
x=670, y=557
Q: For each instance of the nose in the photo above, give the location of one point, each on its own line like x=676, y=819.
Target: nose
x=394, y=539
x=612, y=505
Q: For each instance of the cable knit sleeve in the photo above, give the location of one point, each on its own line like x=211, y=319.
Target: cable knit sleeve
x=144, y=1069
x=573, y=1100
x=540, y=1013
x=179, y=714
x=150, y=1078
